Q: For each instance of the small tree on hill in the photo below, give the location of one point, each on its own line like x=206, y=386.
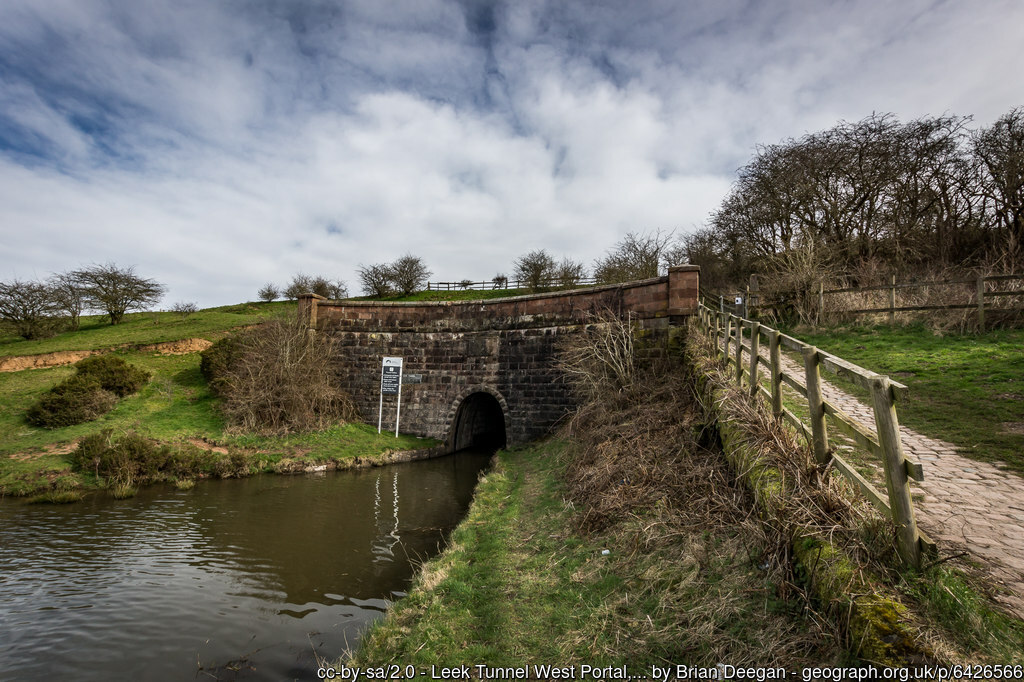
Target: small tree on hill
x=569, y=272
x=269, y=293
x=375, y=279
x=535, y=268
x=69, y=296
x=409, y=274
x=319, y=285
x=636, y=256
x=28, y=308
x=117, y=290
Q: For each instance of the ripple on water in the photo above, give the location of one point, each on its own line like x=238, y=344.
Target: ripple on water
x=262, y=570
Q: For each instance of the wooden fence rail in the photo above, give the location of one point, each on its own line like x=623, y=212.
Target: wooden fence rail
x=507, y=283
x=982, y=292
x=735, y=335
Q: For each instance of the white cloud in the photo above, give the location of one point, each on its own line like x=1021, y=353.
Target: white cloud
x=244, y=144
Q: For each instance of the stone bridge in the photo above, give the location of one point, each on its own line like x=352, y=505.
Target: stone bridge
x=487, y=375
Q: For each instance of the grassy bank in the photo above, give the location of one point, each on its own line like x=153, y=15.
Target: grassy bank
x=964, y=389
x=96, y=332
x=519, y=586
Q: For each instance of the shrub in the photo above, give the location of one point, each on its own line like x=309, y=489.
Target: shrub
x=535, y=269
x=73, y=401
x=269, y=292
x=215, y=361
x=185, y=309
x=113, y=374
x=279, y=379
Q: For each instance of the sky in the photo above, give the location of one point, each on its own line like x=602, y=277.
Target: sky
x=218, y=145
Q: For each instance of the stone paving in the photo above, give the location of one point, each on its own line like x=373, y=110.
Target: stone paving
x=967, y=505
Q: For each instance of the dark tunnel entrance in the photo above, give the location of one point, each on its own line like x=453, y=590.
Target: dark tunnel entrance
x=479, y=423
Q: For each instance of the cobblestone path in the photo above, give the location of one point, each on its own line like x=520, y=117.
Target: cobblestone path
x=971, y=505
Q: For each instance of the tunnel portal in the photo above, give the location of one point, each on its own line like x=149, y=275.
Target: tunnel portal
x=479, y=423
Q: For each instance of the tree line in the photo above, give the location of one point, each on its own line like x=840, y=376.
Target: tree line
x=877, y=193
x=37, y=309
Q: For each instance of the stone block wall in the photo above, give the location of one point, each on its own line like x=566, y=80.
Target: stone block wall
x=504, y=347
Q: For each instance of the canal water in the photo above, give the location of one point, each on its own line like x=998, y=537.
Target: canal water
x=249, y=579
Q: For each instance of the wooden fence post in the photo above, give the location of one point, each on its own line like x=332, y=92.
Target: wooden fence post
x=755, y=344
x=775, y=357
x=739, y=350
x=819, y=433
x=727, y=339
x=981, y=303
x=821, y=302
x=892, y=299
x=888, y=427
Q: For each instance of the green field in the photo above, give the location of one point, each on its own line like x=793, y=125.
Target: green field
x=965, y=389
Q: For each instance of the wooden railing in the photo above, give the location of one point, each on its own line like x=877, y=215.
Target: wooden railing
x=554, y=283
x=981, y=292
x=883, y=440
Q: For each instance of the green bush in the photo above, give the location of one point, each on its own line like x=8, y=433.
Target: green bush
x=89, y=393
x=73, y=401
x=113, y=374
x=216, y=361
x=132, y=459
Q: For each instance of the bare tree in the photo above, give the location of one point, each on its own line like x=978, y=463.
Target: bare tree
x=185, y=309
x=69, y=296
x=569, y=272
x=117, y=290
x=636, y=256
x=28, y=308
x=409, y=274
x=1000, y=150
x=268, y=292
x=535, y=268
x=375, y=279
x=318, y=284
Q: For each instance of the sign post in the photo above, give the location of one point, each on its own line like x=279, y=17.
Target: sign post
x=390, y=384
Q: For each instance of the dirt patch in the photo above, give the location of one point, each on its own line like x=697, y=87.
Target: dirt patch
x=55, y=449
x=207, y=445
x=18, y=363
x=182, y=347
x=64, y=357
x=1015, y=428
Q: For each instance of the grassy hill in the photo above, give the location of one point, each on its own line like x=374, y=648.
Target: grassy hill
x=175, y=407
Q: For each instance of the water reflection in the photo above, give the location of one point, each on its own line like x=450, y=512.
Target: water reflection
x=240, y=578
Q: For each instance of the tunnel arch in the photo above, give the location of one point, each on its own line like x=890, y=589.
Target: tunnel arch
x=478, y=417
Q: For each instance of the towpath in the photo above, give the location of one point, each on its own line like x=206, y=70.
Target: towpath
x=966, y=503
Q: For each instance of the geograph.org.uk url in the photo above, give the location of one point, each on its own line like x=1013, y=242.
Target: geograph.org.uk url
x=721, y=671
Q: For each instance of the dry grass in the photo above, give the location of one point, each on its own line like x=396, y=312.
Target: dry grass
x=716, y=581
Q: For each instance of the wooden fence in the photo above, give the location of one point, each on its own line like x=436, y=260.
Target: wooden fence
x=982, y=291
x=506, y=283
x=883, y=441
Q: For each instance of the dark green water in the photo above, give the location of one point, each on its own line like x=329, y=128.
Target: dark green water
x=239, y=579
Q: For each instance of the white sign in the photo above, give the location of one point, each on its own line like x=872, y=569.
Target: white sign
x=739, y=300
x=390, y=384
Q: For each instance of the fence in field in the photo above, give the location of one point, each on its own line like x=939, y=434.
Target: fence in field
x=985, y=295
x=988, y=288
x=883, y=441
x=506, y=283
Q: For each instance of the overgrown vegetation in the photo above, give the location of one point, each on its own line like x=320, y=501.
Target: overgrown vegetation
x=277, y=379
x=88, y=394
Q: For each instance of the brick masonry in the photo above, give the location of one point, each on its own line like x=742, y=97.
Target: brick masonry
x=501, y=347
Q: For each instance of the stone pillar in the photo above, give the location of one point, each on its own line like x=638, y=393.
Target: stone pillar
x=307, y=308
x=683, y=283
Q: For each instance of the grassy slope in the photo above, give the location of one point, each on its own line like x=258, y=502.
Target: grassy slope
x=173, y=407
x=967, y=390
x=145, y=328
